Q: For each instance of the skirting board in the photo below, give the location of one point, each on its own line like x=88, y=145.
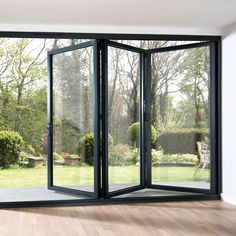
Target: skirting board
x=229, y=199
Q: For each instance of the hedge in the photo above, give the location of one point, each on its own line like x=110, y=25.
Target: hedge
x=181, y=141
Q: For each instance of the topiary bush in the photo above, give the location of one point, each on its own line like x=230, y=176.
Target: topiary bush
x=133, y=133
x=85, y=147
x=181, y=140
x=122, y=155
x=11, y=144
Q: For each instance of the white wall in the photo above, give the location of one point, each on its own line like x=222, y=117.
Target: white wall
x=126, y=29
x=229, y=113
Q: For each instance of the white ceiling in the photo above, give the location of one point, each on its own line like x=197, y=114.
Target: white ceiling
x=204, y=14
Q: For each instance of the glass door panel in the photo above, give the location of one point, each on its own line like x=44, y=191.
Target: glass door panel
x=123, y=108
x=73, y=158
x=180, y=113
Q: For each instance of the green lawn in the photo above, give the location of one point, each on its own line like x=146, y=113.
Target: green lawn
x=66, y=176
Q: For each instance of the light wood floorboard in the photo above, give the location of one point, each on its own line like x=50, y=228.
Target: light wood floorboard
x=164, y=219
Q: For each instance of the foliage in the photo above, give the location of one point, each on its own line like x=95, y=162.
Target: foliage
x=29, y=149
x=122, y=155
x=23, y=157
x=57, y=156
x=11, y=144
x=158, y=156
x=70, y=135
x=207, y=142
x=172, y=119
x=121, y=148
x=23, y=96
x=195, y=85
x=85, y=147
x=32, y=125
x=133, y=133
x=179, y=94
x=45, y=143
x=181, y=140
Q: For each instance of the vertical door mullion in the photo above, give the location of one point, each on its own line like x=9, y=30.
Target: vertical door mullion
x=96, y=101
x=50, y=121
x=142, y=119
x=106, y=115
x=148, y=120
x=104, y=81
x=213, y=114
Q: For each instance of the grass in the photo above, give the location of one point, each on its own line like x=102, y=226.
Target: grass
x=69, y=176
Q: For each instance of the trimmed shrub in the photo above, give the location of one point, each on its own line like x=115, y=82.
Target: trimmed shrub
x=11, y=144
x=133, y=133
x=85, y=147
x=181, y=141
x=121, y=155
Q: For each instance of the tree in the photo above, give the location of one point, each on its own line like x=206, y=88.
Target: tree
x=25, y=71
x=166, y=68
x=73, y=96
x=124, y=87
x=22, y=77
x=196, y=82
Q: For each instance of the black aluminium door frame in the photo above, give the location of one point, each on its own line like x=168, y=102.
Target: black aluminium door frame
x=214, y=112
x=142, y=56
x=215, y=39
x=96, y=102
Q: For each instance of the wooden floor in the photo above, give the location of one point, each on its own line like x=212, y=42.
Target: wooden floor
x=176, y=218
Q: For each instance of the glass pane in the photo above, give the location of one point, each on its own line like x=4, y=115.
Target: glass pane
x=123, y=120
x=180, y=106
x=73, y=119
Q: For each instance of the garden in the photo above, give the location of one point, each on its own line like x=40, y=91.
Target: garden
x=179, y=114
x=77, y=169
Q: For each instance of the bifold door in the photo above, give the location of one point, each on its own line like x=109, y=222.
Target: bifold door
x=183, y=89
x=124, y=107
x=73, y=112
x=169, y=88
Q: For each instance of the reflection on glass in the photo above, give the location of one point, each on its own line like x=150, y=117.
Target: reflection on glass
x=73, y=119
x=123, y=118
x=181, y=116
